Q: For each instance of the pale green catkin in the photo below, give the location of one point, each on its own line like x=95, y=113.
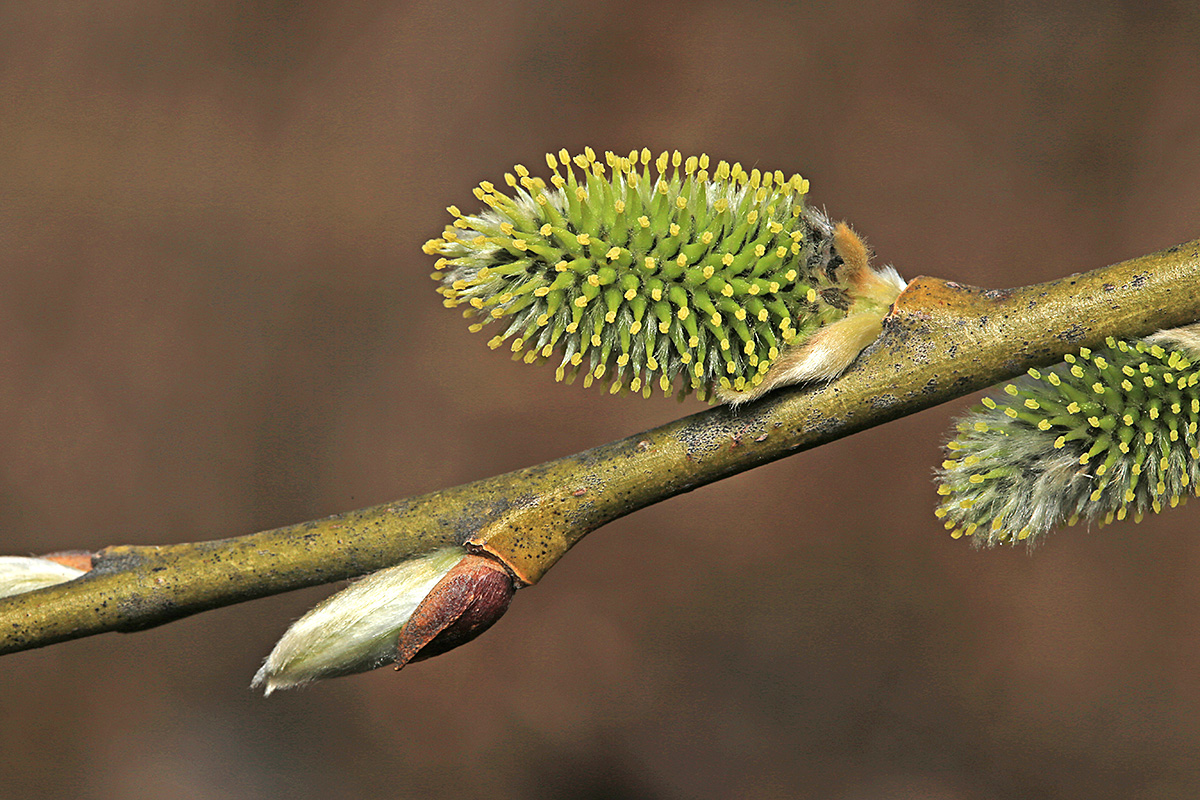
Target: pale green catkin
x=638, y=272
x=1108, y=434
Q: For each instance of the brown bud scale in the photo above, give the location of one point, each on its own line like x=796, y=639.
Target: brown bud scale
x=462, y=605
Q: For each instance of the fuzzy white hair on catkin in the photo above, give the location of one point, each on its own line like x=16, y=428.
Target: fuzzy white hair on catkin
x=354, y=630
x=821, y=357
x=1185, y=338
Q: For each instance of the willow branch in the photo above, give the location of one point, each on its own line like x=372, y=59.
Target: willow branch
x=941, y=341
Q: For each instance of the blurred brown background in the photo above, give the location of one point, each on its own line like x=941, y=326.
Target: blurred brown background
x=215, y=318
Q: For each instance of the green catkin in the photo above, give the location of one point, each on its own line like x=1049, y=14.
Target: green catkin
x=1107, y=435
x=638, y=272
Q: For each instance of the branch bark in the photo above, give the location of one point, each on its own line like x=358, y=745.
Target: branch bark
x=941, y=341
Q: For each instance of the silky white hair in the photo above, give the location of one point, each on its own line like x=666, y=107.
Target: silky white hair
x=356, y=629
x=19, y=574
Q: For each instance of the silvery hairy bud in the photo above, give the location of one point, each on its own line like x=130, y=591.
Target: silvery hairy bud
x=417, y=609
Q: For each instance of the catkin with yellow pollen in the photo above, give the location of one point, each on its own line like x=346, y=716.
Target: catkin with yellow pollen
x=1108, y=434
x=639, y=272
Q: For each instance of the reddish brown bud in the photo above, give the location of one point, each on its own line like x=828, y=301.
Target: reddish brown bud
x=462, y=605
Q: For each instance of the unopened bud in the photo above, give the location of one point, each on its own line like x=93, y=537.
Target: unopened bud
x=19, y=574
x=417, y=609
